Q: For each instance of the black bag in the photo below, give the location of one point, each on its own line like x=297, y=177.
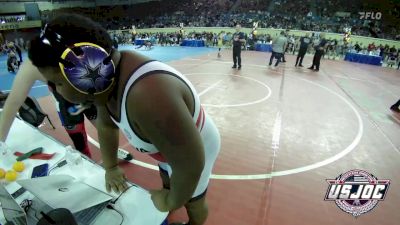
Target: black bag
x=32, y=113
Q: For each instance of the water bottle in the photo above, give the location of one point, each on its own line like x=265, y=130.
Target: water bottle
x=75, y=162
x=6, y=155
x=3, y=149
x=73, y=157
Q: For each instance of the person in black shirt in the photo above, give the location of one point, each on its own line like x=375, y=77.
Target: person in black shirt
x=392, y=49
x=357, y=47
x=319, y=51
x=180, y=36
x=238, y=40
x=304, y=43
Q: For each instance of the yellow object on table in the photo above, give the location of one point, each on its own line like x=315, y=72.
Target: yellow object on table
x=11, y=175
x=19, y=166
x=2, y=173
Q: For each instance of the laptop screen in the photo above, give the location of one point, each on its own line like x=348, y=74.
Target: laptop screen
x=10, y=207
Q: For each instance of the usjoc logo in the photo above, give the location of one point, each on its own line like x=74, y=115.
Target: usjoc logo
x=370, y=15
x=357, y=191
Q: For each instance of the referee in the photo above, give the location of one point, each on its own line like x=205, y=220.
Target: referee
x=304, y=43
x=238, y=40
x=319, y=51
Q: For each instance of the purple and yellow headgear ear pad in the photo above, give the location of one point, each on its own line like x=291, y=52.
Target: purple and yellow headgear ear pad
x=88, y=68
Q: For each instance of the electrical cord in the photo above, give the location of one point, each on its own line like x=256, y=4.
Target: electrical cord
x=115, y=201
x=58, y=165
x=25, y=205
x=112, y=203
x=14, y=210
x=109, y=206
x=112, y=208
x=35, y=214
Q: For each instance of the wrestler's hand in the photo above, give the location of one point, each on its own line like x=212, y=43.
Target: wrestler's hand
x=115, y=180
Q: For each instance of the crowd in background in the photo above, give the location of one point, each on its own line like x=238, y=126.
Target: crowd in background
x=313, y=15
x=12, y=19
x=310, y=15
x=337, y=48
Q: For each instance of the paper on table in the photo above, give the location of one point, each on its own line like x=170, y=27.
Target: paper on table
x=136, y=202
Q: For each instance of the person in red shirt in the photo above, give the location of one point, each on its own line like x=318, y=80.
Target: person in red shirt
x=371, y=47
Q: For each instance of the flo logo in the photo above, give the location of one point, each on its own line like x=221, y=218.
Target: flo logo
x=370, y=15
x=356, y=192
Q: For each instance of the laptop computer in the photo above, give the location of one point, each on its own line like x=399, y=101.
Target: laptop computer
x=63, y=191
x=13, y=213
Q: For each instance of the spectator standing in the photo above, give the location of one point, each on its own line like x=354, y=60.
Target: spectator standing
x=319, y=51
x=357, y=47
x=238, y=41
x=304, y=44
x=278, y=48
